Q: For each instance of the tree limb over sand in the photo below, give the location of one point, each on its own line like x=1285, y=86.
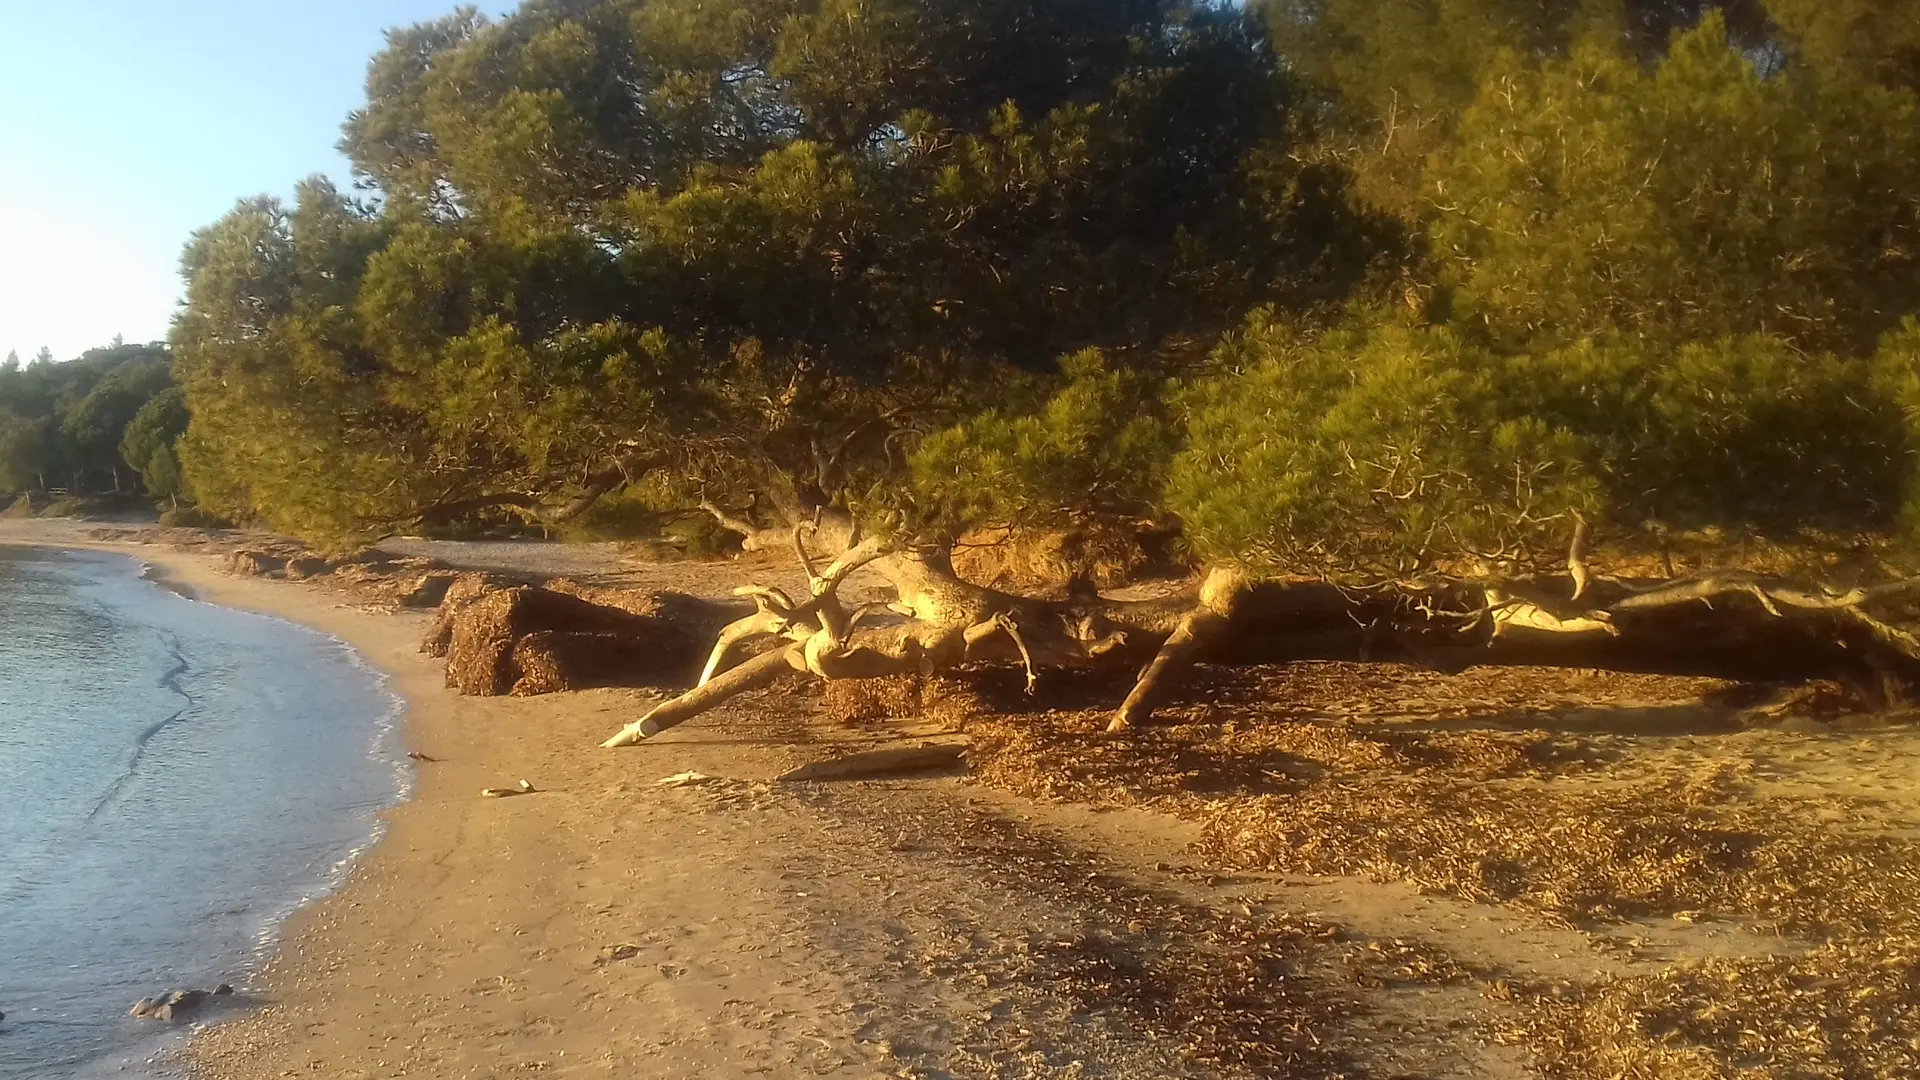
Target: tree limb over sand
x=1580, y=619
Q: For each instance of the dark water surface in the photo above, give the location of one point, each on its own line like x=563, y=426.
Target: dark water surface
x=175, y=779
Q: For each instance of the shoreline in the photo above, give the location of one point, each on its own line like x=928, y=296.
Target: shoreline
x=602, y=926
x=201, y=579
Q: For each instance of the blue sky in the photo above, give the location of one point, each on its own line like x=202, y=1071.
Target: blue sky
x=127, y=124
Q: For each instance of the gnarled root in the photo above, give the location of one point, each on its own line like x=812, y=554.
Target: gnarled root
x=1780, y=631
x=950, y=621
x=773, y=614
x=1198, y=629
x=1163, y=675
x=819, y=631
x=751, y=675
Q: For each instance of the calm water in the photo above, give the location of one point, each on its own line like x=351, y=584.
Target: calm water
x=175, y=779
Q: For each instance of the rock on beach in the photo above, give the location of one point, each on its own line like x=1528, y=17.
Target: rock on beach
x=175, y=1004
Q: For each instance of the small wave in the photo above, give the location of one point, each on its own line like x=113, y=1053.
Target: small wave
x=385, y=744
x=154, y=575
x=171, y=681
x=249, y=928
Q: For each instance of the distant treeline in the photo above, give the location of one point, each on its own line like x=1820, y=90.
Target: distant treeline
x=1349, y=287
x=103, y=424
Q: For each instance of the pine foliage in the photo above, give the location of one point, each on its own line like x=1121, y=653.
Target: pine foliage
x=1357, y=290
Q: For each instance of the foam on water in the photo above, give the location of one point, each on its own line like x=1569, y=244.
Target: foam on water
x=195, y=776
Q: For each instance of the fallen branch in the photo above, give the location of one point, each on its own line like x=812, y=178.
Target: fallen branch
x=751, y=675
x=1792, y=630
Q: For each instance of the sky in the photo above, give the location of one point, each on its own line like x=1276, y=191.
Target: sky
x=127, y=124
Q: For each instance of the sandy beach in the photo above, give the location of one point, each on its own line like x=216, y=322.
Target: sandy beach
x=609, y=925
x=676, y=910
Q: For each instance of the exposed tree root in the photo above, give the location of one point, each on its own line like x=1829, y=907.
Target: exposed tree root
x=949, y=622
x=1205, y=624
x=751, y=675
x=1724, y=623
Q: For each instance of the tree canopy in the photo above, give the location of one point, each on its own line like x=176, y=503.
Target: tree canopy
x=62, y=424
x=1666, y=291
x=750, y=239
x=1341, y=288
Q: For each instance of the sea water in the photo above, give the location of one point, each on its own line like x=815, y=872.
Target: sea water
x=175, y=779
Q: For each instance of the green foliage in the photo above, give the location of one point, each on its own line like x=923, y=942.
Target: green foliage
x=1393, y=77
x=192, y=517
x=147, y=443
x=1665, y=272
x=28, y=453
x=1651, y=262
x=61, y=425
x=763, y=240
x=93, y=426
x=657, y=514
x=1691, y=202
x=1743, y=434
x=278, y=419
x=1373, y=451
x=1877, y=40
x=162, y=475
x=1097, y=444
x=1394, y=451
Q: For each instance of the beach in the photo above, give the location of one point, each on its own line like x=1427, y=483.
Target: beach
x=609, y=925
x=677, y=910
x=469, y=943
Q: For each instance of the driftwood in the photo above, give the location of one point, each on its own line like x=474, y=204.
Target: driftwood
x=884, y=763
x=1726, y=623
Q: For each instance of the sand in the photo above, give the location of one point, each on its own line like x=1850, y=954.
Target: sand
x=609, y=925
x=725, y=923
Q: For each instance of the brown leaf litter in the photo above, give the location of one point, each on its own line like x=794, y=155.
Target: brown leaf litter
x=1498, y=787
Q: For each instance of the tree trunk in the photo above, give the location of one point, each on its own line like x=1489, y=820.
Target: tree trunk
x=1727, y=624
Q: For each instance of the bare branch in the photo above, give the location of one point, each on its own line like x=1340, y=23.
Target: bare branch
x=1723, y=582
x=753, y=674
x=759, y=624
x=1003, y=622
x=768, y=598
x=611, y=477
x=730, y=522
x=1516, y=612
x=870, y=550
x=1577, y=556
x=800, y=532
